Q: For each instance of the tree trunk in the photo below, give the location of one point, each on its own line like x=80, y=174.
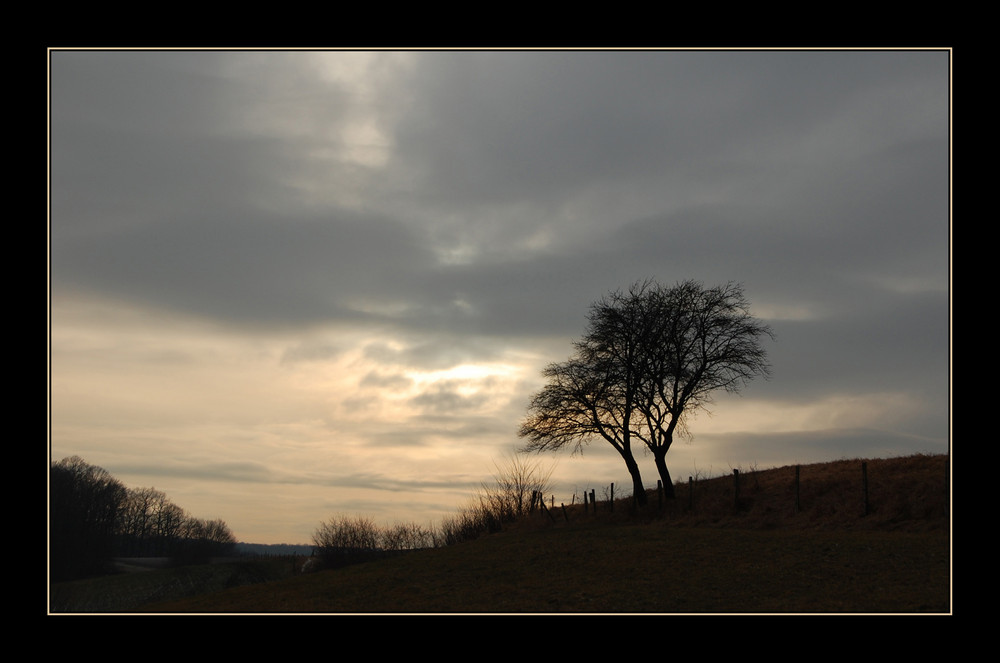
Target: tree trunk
x=638, y=490
x=661, y=467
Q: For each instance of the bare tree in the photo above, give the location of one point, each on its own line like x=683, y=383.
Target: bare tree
x=515, y=481
x=218, y=533
x=198, y=540
x=168, y=522
x=593, y=394
x=148, y=522
x=649, y=356
x=703, y=340
x=84, y=501
x=135, y=521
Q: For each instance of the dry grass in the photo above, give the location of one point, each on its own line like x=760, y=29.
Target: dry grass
x=907, y=493
x=623, y=568
x=137, y=587
x=714, y=554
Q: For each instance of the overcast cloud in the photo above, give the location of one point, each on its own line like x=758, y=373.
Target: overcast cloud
x=292, y=284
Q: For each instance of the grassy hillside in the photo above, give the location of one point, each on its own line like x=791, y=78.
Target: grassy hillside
x=131, y=590
x=712, y=550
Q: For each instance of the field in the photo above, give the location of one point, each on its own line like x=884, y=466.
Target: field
x=758, y=547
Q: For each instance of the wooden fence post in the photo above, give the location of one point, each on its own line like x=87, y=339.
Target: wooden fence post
x=690, y=493
x=736, y=488
x=593, y=501
x=541, y=505
x=611, y=502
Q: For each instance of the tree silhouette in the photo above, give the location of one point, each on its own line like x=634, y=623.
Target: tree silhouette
x=84, y=501
x=94, y=517
x=649, y=356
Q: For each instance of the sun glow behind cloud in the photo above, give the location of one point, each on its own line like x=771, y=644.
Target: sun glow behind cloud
x=311, y=414
x=468, y=374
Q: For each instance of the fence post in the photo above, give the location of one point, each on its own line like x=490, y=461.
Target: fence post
x=690, y=493
x=736, y=488
x=593, y=501
x=541, y=505
x=611, y=502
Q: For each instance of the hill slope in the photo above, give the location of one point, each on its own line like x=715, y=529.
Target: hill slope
x=624, y=568
x=720, y=548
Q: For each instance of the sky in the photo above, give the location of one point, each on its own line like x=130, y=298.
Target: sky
x=292, y=285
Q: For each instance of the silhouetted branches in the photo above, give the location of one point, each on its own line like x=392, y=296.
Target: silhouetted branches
x=500, y=501
x=343, y=540
x=648, y=357
x=84, y=501
x=93, y=518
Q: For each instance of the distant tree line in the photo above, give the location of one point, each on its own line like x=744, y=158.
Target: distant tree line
x=93, y=517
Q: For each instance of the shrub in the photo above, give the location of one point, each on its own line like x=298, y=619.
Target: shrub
x=346, y=540
x=504, y=499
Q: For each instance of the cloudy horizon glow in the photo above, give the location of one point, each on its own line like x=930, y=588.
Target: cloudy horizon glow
x=292, y=284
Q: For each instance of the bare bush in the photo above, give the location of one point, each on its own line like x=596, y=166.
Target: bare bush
x=350, y=539
x=502, y=500
x=514, y=484
x=464, y=526
x=406, y=536
x=345, y=532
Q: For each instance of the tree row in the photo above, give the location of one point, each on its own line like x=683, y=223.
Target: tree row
x=93, y=518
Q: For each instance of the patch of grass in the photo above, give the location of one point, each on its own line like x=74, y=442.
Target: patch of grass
x=623, y=568
x=127, y=591
x=908, y=493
